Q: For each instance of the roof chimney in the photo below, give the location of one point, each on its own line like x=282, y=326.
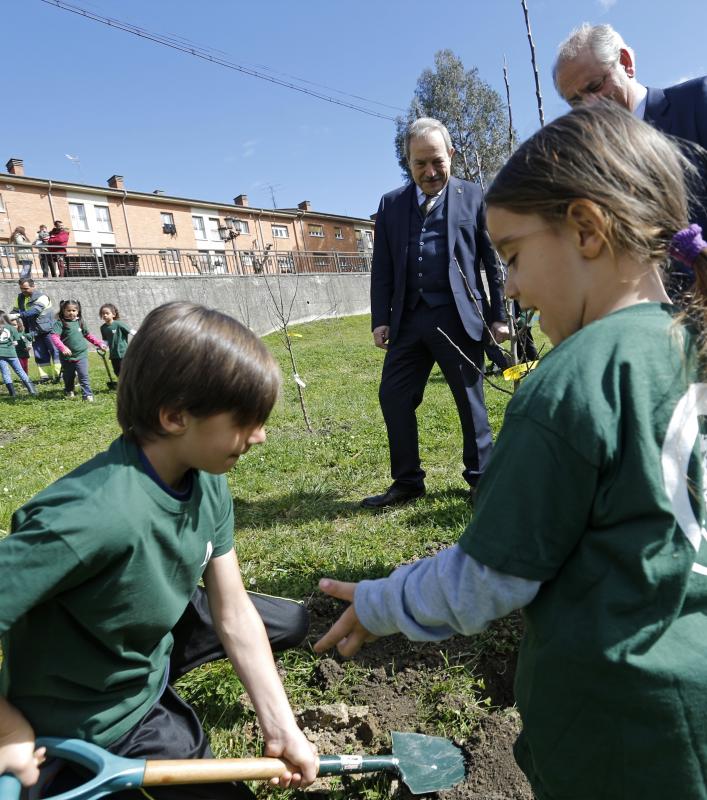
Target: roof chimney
x=116, y=182
x=16, y=166
x=241, y=200
x=305, y=205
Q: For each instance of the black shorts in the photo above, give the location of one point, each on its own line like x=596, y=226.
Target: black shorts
x=171, y=729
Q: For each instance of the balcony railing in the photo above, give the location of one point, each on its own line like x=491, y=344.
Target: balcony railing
x=102, y=262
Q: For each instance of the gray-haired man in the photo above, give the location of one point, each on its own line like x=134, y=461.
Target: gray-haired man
x=430, y=246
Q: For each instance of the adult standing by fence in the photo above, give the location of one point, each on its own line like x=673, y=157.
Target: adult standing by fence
x=23, y=251
x=57, y=241
x=430, y=244
x=45, y=260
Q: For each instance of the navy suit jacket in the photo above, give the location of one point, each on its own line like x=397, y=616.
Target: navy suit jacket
x=468, y=246
x=682, y=111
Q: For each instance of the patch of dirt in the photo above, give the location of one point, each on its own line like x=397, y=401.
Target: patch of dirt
x=384, y=697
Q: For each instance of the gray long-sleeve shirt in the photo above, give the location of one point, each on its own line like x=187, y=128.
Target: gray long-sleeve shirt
x=434, y=598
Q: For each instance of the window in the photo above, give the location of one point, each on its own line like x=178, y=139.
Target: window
x=167, y=218
x=170, y=256
x=84, y=248
x=2, y=204
x=241, y=226
x=316, y=230
x=338, y=233
x=285, y=263
x=103, y=219
x=364, y=239
x=280, y=232
x=78, y=216
x=247, y=258
x=214, y=235
x=199, y=230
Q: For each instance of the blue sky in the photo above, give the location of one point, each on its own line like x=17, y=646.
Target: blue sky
x=166, y=120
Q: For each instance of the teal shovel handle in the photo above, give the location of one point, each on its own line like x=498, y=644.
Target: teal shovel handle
x=339, y=765
x=10, y=787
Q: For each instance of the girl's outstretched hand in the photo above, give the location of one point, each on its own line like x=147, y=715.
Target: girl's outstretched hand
x=347, y=634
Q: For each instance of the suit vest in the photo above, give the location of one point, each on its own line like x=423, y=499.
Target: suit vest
x=427, y=275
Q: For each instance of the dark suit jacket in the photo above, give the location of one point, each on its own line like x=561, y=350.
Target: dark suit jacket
x=682, y=111
x=468, y=243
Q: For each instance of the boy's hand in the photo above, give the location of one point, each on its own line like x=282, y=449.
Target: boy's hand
x=66, y=352
x=292, y=746
x=347, y=634
x=18, y=754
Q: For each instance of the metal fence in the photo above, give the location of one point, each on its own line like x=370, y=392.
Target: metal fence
x=102, y=262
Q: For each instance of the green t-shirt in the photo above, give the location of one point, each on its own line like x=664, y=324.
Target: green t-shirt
x=73, y=335
x=24, y=342
x=588, y=491
x=8, y=337
x=116, y=337
x=95, y=574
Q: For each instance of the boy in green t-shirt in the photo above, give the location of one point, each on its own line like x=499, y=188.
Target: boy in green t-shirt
x=591, y=513
x=100, y=573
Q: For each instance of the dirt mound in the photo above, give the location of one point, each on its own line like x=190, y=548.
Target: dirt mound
x=394, y=675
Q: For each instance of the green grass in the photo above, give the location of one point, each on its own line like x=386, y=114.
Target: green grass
x=297, y=507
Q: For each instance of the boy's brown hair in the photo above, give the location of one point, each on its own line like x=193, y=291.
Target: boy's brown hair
x=187, y=357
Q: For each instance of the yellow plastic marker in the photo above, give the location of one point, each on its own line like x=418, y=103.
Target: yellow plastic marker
x=517, y=371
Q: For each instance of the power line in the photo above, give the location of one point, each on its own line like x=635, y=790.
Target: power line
x=177, y=43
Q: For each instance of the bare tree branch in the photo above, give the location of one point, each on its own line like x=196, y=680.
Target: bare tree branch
x=538, y=93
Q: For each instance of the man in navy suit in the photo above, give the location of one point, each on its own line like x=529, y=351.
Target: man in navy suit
x=430, y=245
x=594, y=61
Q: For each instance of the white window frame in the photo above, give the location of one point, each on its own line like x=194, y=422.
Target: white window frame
x=318, y=233
x=101, y=224
x=338, y=233
x=199, y=228
x=79, y=219
x=241, y=225
x=280, y=232
x=167, y=218
x=213, y=225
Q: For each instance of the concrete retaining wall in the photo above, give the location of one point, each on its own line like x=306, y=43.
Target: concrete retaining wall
x=247, y=298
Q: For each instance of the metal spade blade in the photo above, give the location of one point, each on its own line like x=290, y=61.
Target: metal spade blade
x=427, y=763
x=424, y=763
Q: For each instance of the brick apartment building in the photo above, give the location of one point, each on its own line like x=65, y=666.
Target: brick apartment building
x=178, y=235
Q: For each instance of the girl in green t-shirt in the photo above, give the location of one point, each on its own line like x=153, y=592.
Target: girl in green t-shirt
x=24, y=343
x=590, y=515
x=9, y=339
x=115, y=333
x=70, y=336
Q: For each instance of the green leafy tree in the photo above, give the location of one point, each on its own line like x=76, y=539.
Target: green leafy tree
x=473, y=113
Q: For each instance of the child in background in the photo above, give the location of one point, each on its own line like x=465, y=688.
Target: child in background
x=24, y=343
x=9, y=339
x=115, y=333
x=100, y=572
x=70, y=336
x=603, y=544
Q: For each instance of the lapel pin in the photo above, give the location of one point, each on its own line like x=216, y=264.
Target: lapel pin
x=459, y=189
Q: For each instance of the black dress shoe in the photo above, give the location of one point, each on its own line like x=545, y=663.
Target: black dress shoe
x=395, y=496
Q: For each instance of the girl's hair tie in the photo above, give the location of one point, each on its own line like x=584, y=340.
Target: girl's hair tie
x=687, y=244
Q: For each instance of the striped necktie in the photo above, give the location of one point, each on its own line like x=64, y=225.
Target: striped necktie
x=426, y=205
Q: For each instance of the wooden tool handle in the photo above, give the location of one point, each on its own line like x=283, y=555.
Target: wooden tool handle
x=212, y=770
